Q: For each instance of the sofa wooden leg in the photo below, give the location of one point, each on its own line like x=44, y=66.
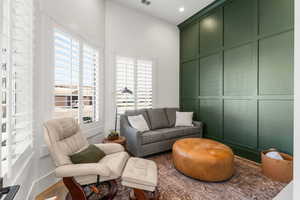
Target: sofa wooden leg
x=76, y=192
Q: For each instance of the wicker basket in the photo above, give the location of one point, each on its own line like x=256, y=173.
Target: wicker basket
x=278, y=170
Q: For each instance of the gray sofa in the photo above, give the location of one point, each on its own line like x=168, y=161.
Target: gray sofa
x=162, y=134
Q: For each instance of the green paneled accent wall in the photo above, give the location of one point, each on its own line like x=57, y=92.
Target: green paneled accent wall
x=189, y=75
x=211, y=75
x=211, y=113
x=211, y=32
x=275, y=16
x=276, y=131
x=189, y=42
x=240, y=122
x=240, y=70
x=276, y=64
x=237, y=73
x=240, y=22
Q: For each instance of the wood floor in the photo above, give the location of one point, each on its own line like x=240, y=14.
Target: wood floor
x=58, y=190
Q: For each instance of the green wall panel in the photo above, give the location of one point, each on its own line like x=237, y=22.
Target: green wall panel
x=190, y=42
x=275, y=15
x=190, y=79
x=276, y=125
x=276, y=65
x=211, y=75
x=190, y=105
x=211, y=32
x=240, y=22
x=211, y=114
x=240, y=71
x=240, y=122
x=239, y=78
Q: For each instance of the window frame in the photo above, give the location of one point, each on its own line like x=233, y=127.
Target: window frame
x=154, y=78
x=16, y=167
x=89, y=128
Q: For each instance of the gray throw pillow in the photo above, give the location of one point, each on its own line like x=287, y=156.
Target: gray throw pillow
x=158, y=118
x=171, y=114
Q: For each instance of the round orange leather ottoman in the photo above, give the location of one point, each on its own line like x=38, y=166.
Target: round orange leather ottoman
x=203, y=159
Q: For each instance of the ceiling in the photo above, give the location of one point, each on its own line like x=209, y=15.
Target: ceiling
x=168, y=9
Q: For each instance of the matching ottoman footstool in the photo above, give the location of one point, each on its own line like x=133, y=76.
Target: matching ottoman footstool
x=141, y=175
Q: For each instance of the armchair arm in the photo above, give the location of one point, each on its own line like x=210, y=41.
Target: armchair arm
x=198, y=124
x=82, y=170
x=132, y=135
x=110, y=148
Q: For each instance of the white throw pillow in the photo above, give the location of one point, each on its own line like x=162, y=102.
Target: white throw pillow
x=184, y=119
x=138, y=122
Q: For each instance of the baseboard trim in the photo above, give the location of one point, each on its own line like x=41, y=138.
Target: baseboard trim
x=244, y=152
x=41, y=184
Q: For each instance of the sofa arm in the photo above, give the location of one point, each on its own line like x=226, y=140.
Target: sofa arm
x=110, y=148
x=132, y=135
x=198, y=124
x=82, y=170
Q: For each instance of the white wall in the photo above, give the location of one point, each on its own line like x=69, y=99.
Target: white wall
x=85, y=19
x=124, y=31
x=132, y=33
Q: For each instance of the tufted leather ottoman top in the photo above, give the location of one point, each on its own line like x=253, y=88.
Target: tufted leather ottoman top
x=203, y=159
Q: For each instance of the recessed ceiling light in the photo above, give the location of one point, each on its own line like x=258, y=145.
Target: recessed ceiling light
x=181, y=9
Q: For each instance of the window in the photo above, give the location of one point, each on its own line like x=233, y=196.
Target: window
x=76, y=86
x=16, y=41
x=90, y=85
x=135, y=75
x=66, y=75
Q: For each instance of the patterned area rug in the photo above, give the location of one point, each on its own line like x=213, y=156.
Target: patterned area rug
x=247, y=184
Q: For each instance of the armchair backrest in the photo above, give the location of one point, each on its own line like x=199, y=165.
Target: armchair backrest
x=63, y=138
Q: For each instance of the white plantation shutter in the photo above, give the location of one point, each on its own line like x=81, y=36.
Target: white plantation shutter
x=66, y=82
x=90, y=85
x=125, y=77
x=137, y=76
x=76, y=84
x=16, y=83
x=144, y=84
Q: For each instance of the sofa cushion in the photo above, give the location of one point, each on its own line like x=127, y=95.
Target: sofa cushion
x=152, y=136
x=168, y=133
x=171, y=115
x=139, y=112
x=192, y=130
x=175, y=132
x=158, y=118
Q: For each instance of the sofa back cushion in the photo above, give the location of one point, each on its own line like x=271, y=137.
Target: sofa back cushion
x=139, y=112
x=171, y=114
x=158, y=118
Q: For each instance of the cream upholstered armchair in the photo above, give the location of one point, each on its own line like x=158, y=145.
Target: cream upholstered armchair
x=64, y=138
